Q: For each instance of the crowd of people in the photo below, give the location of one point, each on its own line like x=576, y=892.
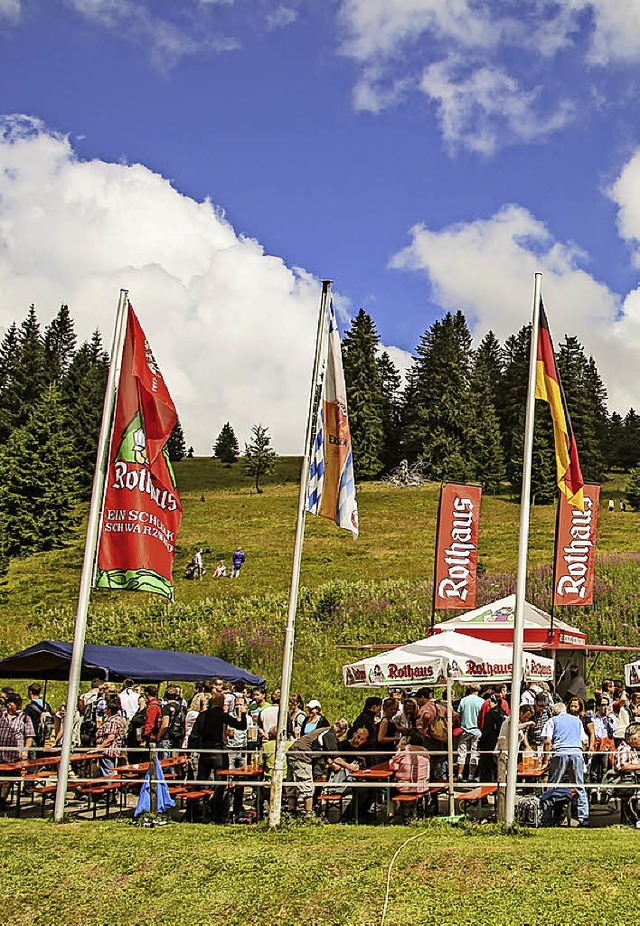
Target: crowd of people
x=223, y=725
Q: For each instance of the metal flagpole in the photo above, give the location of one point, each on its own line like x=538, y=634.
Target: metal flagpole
x=553, y=580
x=523, y=543
x=275, y=800
x=91, y=544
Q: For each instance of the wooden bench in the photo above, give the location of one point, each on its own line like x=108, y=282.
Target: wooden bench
x=477, y=794
x=326, y=800
x=191, y=799
x=49, y=791
x=94, y=792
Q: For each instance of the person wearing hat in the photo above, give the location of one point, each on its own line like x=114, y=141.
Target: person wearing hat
x=315, y=720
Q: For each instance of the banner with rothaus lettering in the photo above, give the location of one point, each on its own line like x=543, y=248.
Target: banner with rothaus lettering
x=456, y=569
x=141, y=512
x=575, y=554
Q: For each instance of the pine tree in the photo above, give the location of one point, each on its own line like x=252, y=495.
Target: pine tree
x=59, y=344
x=226, y=447
x=629, y=449
x=436, y=416
x=614, y=441
x=82, y=389
x=512, y=404
x=38, y=480
x=633, y=488
x=190, y=453
x=581, y=393
x=8, y=360
x=599, y=400
x=29, y=376
x=512, y=418
x=259, y=455
x=364, y=395
x=489, y=356
x=176, y=446
x=485, y=445
x=390, y=382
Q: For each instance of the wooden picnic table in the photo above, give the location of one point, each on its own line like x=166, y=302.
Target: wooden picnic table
x=253, y=773
x=380, y=772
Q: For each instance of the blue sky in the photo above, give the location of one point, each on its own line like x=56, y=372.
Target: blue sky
x=425, y=154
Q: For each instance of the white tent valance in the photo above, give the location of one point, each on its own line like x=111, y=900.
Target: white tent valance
x=445, y=655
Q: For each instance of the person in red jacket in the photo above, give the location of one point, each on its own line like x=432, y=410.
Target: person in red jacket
x=153, y=716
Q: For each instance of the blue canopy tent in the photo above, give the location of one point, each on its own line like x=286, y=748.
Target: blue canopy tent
x=50, y=661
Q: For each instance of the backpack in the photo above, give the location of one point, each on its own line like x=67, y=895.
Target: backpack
x=89, y=724
x=175, y=730
x=43, y=726
x=529, y=811
x=438, y=728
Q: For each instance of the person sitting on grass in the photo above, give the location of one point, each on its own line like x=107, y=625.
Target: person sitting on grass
x=412, y=767
x=220, y=571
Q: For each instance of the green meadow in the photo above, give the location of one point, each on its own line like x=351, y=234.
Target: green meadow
x=375, y=590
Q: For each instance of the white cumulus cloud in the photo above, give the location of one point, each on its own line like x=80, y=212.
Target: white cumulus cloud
x=485, y=267
x=486, y=107
x=616, y=31
x=231, y=326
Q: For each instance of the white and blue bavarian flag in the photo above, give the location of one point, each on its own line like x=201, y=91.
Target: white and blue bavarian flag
x=332, y=488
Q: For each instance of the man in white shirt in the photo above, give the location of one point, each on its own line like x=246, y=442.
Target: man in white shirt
x=128, y=698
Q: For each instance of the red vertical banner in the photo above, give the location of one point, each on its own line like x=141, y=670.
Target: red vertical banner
x=456, y=570
x=141, y=512
x=575, y=554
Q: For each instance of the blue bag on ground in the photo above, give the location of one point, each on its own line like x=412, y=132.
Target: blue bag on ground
x=165, y=802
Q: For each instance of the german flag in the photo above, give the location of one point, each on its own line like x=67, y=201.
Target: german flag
x=549, y=389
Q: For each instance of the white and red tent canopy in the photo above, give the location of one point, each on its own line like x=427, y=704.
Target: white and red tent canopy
x=444, y=655
x=632, y=674
x=494, y=622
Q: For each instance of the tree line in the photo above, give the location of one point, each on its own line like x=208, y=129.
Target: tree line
x=461, y=410
x=51, y=395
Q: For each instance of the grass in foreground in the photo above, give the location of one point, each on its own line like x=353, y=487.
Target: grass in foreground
x=111, y=873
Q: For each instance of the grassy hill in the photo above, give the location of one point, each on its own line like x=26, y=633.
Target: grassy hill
x=377, y=589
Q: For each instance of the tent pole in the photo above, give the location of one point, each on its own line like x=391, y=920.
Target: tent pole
x=452, y=797
x=91, y=544
x=523, y=545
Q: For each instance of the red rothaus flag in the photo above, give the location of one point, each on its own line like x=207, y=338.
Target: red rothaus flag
x=141, y=512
